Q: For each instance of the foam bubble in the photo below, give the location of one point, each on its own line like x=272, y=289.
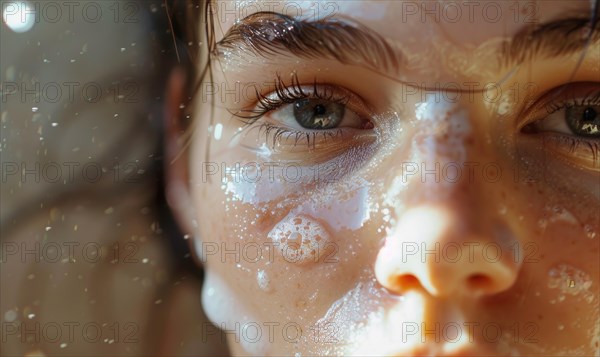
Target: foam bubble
x=570, y=281
x=300, y=239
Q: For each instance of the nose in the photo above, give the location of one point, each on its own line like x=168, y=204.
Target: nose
x=430, y=248
x=447, y=237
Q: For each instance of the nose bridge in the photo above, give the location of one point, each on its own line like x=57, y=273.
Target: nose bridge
x=442, y=160
x=441, y=222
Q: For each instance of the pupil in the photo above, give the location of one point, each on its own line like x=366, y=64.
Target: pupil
x=589, y=114
x=318, y=114
x=319, y=109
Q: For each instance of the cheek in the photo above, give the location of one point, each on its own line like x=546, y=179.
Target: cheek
x=292, y=255
x=556, y=295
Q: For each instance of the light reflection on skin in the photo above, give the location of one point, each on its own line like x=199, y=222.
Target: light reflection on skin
x=364, y=302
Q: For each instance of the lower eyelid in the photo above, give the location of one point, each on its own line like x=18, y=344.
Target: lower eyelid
x=581, y=152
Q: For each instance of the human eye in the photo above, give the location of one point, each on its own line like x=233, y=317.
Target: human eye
x=568, y=118
x=318, y=116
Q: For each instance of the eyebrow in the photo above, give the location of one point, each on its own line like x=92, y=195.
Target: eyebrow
x=270, y=34
x=553, y=39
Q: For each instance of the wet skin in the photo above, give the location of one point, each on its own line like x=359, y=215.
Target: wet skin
x=444, y=199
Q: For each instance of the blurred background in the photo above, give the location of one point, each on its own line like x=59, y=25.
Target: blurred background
x=91, y=262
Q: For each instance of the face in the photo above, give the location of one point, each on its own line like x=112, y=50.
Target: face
x=399, y=178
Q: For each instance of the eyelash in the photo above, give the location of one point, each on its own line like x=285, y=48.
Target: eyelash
x=589, y=99
x=285, y=94
x=573, y=142
x=278, y=132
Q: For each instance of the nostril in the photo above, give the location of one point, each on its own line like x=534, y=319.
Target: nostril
x=404, y=282
x=479, y=282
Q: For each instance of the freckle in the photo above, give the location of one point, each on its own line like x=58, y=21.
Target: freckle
x=300, y=303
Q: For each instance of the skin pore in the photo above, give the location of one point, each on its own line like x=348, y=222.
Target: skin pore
x=445, y=202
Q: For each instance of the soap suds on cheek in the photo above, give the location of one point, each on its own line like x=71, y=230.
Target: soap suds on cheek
x=573, y=289
x=366, y=320
x=343, y=206
x=300, y=239
x=569, y=281
x=346, y=319
x=553, y=214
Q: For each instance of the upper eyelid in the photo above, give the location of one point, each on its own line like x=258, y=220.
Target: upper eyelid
x=281, y=95
x=551, y=98
x=549, y=102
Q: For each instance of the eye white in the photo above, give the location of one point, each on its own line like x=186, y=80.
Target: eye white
x=555, y=122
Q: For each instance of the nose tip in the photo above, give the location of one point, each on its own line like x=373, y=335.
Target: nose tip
x=428, y=250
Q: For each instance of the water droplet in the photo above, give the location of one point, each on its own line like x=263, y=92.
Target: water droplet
x=10, y=316
x=34, y=109
x=10, y=73
x=263, y=280
x=589, y=231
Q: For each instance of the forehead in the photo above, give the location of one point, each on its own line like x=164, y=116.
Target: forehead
x=410, y=21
